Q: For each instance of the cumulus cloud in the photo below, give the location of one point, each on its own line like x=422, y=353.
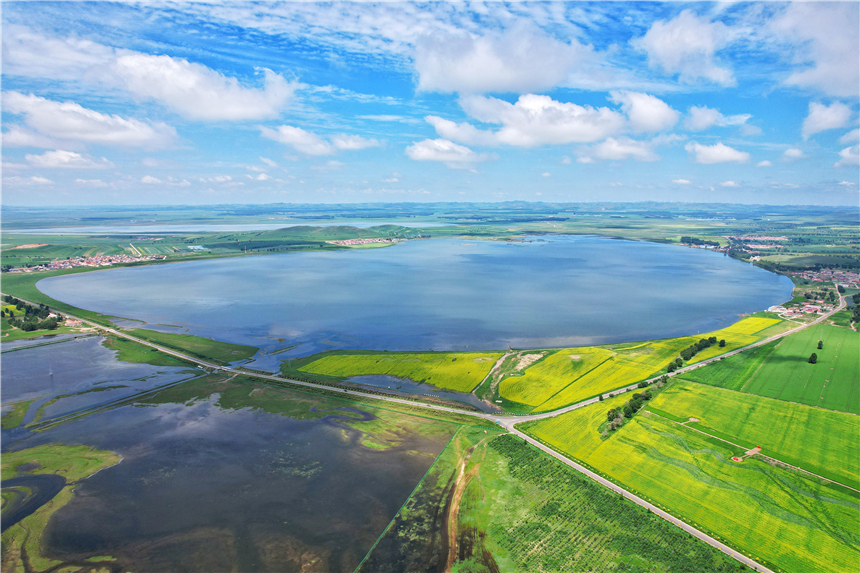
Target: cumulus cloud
x=268, y=162
x=150, y=180
x=793, y=154
x=825, y=47
x=532, y=121
x=18, y=136
x=585, y=159
x=67, y=160
x=69, y=121
x=764, y=163
x=624, y=148
x=520, y=59
x=700, y=118
x=91, y=182
x=351, y=142
x=32, y=180
x=449, y=153
x=850, y=137
x=729, y=184
x=311, y=144
x=198, y=92
x=645, y=112
x=849, y=157
x=30, y=54
x=719, y=153
x=847, y=183
x=822, y=117
x=687, y=46
x=681, y=181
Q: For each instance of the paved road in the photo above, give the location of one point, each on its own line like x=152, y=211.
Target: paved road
x=509, y=422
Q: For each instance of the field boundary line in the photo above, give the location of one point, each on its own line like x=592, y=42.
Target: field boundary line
x=575, y=379
x=764, y=457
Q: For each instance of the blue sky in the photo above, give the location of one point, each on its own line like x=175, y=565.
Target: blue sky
x=360, y=102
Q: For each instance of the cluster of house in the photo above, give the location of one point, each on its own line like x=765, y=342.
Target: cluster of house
x=362, y=241
x=100, y=261
x=847, y=279
x=797, y=311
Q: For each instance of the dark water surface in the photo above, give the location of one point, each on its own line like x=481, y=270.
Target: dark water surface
x=203, y=487
x=439, y=294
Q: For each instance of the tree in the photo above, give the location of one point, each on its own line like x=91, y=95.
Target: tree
x=723, y=343
x=601, y=398
x=841, y=289
x=813, y=359
x=820, y=344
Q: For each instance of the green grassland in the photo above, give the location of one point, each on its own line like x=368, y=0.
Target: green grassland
x=133, y=352
x=821, y=441
x=207, y=348
x=781, y=369
x=790, y=522
x=23, y=285
x=458, y=371
x=74, y=462
x=14, y=414
x=11, y=333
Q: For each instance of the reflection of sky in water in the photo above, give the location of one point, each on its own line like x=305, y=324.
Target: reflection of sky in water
x=199, y=481
x=80, y=373
x=439, y=294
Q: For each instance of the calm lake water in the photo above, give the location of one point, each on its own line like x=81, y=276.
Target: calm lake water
x=438, y=294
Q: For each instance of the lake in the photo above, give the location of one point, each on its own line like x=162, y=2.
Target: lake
x=438, y=294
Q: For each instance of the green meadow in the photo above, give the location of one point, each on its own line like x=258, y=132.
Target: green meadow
x=458, y=371
x=216, y=350
x=782, y=370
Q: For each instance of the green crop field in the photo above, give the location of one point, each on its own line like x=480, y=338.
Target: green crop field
x=818, y=440
x=781, y=370
x=133, y=352
x=459, y=371
x=790, y=522
x=223, y=352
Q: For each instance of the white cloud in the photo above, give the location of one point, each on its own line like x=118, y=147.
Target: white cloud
x=719, y=153
x=681, y=181
x=645, y=112
x=729, y=184
x=453, y=155
x=764, y=163
x=198, y=92
x=823, y=40
x=462, y=132
x=624, y=148
x=268, y=162
x=217, y=179
x=546, y=174
x=69, y=121
x=850, y=137
x=299, y=139
x=585, y=160
x=263, y=177
x=793, y=154
x=352, y=142
x=28, y=53
x=565, y=160
x=33, y=180
x=822, y=118
x=21, y=137
x=686, y=46
x=520, y=59
x=67, y=160
x=91, y=182
x=700, y=118
x=311, y=144
x=847, y=183
x=150, y=180
x=536, y=120
x=850, y=157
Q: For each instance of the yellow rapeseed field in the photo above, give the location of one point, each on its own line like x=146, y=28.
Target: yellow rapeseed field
x=545, y=378
x=461, y=371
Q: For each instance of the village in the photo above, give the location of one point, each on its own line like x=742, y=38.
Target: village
x=348, y=242
x=98, y=261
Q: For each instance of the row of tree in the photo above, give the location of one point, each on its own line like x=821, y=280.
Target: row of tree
x=35, y=318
